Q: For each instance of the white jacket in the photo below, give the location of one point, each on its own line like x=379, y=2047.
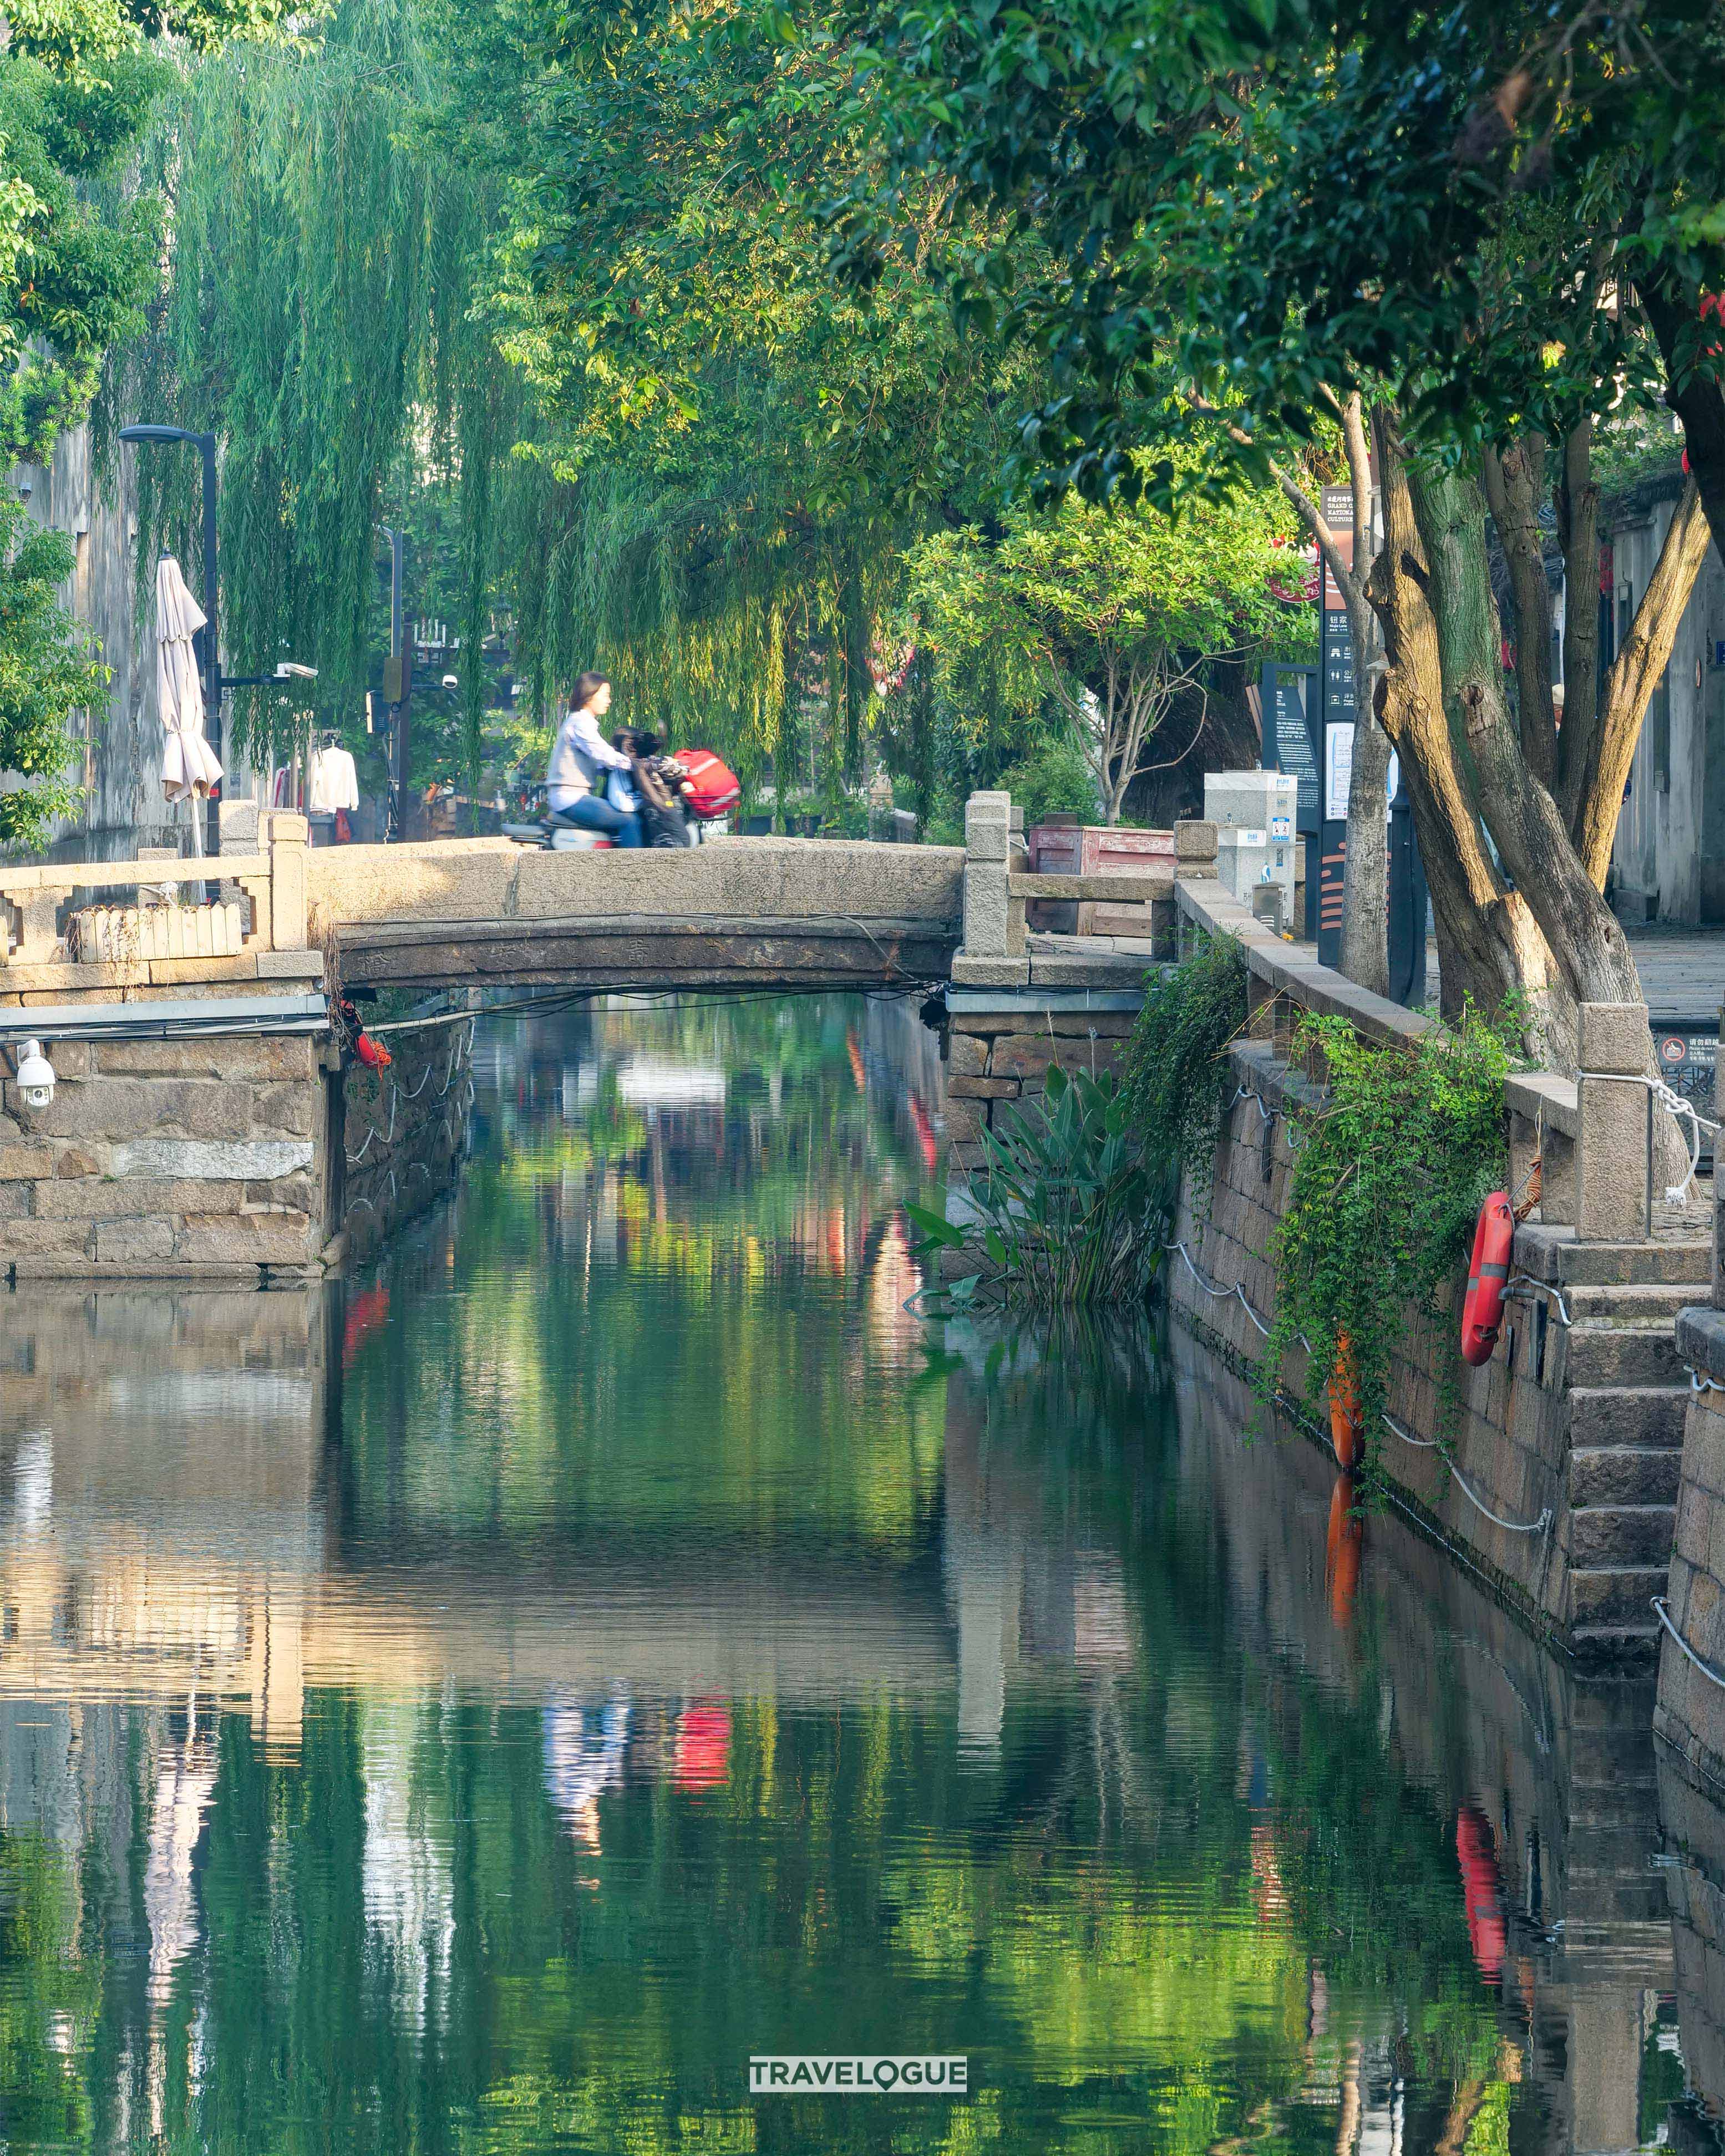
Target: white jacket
x=579, y=751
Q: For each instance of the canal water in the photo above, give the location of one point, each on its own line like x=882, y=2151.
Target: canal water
x=617, y=1637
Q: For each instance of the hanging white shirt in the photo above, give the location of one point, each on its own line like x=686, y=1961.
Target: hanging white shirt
x=335, y=782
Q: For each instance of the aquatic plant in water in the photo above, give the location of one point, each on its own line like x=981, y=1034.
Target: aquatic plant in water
x=1068, y=1208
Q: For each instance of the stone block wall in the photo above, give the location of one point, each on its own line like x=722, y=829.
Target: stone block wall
x=1690, y=1715
x=1561, y=1491
x=166, y=1158
x=1694, y=1875
x=997, y=1057
x=403, y=1130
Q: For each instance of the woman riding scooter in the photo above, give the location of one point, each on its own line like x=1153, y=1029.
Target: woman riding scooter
x=579, y=755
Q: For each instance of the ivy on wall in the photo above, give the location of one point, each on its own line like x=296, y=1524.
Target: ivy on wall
x=1391, y=1163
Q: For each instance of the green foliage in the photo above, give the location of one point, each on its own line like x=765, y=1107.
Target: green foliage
x=47, y=672
x=1054, y=780
x=1176, y=1070
x=1107, y=612
x=1066, y=1210
x=1391, y=1164
x=78, y=237
x=314, y=314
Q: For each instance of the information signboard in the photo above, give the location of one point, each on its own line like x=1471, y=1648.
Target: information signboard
x=1338, y=691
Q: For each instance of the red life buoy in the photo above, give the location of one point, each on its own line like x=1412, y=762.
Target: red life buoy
x=1487, y=1278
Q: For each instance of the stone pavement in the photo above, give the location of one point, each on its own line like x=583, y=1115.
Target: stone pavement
x=1682, y=973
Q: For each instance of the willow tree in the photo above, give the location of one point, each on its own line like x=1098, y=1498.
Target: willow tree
x=316, y=314
x=78, y=241
x=1456, y=218
x=737, y=451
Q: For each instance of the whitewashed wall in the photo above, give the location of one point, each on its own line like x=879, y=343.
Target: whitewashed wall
x=1670, y=851
x=123, y=807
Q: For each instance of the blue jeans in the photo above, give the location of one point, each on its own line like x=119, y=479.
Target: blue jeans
x=590, y=814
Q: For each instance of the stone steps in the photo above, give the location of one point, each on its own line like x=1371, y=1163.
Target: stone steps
x=1611, y=1417
x=1616, y=1599
x=1626, y=1351
x=1553, y=1254
x=1654, y=1302
x=1620, y=1534
x=1613, y=1475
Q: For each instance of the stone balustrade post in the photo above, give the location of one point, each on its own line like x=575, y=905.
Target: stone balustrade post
x=994, y=951
x=1614, y=1195
x=1195, y=851
x=290, y=838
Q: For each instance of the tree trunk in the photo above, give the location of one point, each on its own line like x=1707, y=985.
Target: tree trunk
x=1634, y=676
x=1586, y=940
x=1365, y=906
x=1489, y=947
x=1365, y=893
x=1515, y=486
x=1578, y=506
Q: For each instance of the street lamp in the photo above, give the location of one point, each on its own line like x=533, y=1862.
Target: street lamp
x=395, y=689
x=209, y=659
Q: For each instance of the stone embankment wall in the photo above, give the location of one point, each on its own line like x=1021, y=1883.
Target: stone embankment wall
x=1557, y=1482
x=1556, y=1764
x=1000, y=1055
x=187, y=1159
x=403, y=1131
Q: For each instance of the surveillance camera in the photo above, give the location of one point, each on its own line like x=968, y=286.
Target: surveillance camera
x=35, y=1075
x=451, y=680
x=25, y=491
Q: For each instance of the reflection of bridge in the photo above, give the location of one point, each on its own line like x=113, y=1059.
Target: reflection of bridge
x=172, y=1535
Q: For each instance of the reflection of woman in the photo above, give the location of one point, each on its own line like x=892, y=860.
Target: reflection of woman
x=583, y=1747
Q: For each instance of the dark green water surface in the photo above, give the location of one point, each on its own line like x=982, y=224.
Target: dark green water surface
x=477, y=1708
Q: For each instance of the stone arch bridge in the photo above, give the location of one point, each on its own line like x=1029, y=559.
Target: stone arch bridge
x=203, y=1124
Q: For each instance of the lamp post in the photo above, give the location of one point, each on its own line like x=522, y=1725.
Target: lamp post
x=209, y=658
x=395, y=691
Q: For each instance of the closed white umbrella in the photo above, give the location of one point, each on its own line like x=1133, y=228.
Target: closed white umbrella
x=189, y=765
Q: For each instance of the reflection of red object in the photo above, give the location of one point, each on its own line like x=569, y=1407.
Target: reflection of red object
x=373, y=1053
x=1343, y=1545
x=365, y=1314
x=925, y=1135
x=853, y=1049
x=703, y=1757
x=1487, y=1279
x=1482, y=1885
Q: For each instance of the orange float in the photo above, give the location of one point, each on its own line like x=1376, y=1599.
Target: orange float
x=1487, y=1278
x=1346, y=1426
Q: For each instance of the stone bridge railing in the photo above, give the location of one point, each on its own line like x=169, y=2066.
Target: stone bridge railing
x=62, y=934
x=998, y=884
x=1592, y=1133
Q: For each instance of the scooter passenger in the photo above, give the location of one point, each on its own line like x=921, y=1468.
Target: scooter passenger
x=579, y=755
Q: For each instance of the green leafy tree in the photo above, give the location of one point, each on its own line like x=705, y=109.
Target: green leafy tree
x=47, y=672
x=1471, y=233
x=1113, y=613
